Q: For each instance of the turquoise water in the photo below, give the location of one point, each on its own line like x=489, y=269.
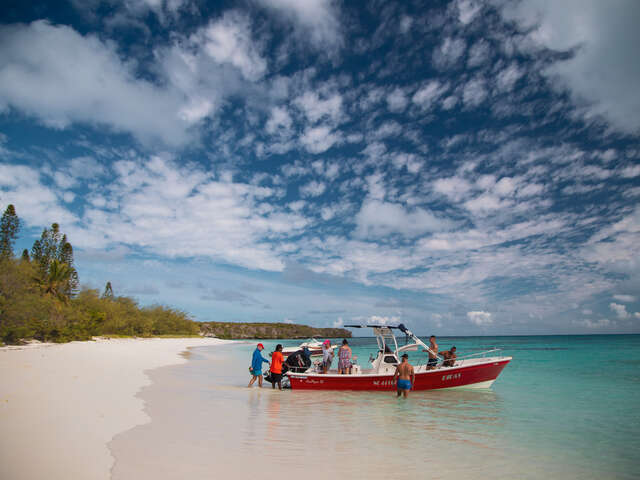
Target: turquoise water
x=566, y=406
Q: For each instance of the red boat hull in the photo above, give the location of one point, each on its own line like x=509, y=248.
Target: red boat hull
x=426, y=380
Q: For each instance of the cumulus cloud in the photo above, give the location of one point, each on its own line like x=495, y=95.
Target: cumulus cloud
x=378, y=219
x=448, y=54
x=593, y=324
x=317, y=21
x=228, y=40
x=602, y=73
x=427, y=95
x=397, y=100
x=625, y=298
x=480, y=318
x=619, y=310
x=474, y=92
x=313, y=189
x=59, y=76
x=169, y=210
x=319, y=139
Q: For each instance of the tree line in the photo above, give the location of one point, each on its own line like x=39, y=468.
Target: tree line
x=41, y=297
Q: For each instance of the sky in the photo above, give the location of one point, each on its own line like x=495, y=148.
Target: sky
x=465, y=167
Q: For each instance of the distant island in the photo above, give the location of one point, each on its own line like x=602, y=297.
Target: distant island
x=233, y=330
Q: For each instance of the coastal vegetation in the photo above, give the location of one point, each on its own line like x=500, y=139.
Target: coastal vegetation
x=41, y=299
x=40, y=296
x=231, y=330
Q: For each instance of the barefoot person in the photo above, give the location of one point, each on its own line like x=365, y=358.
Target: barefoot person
x=276, y=367
x=405, y=375
x=256, y=365
x=433, y=353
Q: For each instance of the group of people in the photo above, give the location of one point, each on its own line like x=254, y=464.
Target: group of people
x=405, y=374
x=301, y=359
x=344, y=357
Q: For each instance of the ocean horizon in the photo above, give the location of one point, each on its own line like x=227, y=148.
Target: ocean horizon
x=560, y=408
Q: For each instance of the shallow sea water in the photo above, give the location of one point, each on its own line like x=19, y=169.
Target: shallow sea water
x=566, y=406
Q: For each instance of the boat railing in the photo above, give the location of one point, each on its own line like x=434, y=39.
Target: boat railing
x=460, y=360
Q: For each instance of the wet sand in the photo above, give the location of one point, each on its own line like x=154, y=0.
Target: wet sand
x=61, y=404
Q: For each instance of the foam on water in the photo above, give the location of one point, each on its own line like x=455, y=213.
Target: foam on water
x=561, y=408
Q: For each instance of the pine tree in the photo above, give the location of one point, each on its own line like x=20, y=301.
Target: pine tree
x=9, y=227
x=66, y=257
x=108, y=291
x=47, y=249
x=25, y=255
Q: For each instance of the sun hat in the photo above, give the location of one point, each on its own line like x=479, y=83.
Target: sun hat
x=261, y=345
x=326, y=342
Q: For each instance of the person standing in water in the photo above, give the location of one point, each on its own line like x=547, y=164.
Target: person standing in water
x=276, y=367
x=405, y=375
x=256, y=365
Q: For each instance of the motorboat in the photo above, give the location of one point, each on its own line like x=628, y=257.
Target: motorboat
x=478, y=370
x=314, y=346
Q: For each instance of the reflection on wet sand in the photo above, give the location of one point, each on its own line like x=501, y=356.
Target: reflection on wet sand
x=206, y=423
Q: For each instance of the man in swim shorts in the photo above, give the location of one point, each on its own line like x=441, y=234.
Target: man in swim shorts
x=433, y=353
x=405, y=375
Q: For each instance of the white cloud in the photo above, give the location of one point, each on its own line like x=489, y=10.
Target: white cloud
x=397, y=100
x=479, y=53
x=603, y=73
x=625, y=298
x=313, y=189
x=316, y=108
x=454, y=188
x=449, y=53
x=59, y=76
x=317, y=21
x=593, y=324
x=508, y=77
x=468, y=10
x=228, y=40
x=378, y=219
x=474, y=92
x=620, y=310
x=427, y=95
x=480, y=318
x=319, y=139
x=279, y=122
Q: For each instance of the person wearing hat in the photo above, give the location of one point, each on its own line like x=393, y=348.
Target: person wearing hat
x=256, y=365
x=327, y=356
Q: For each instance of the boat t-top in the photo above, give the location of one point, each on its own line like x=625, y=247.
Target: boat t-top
x=472, y=371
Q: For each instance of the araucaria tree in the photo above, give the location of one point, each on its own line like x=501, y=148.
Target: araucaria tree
x=9, y=227
x=54, y=247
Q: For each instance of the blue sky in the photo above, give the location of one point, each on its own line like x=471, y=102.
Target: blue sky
x=463, y=167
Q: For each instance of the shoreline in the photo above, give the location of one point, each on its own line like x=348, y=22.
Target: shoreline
x=61, y=404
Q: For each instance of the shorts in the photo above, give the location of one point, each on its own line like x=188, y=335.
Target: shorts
x=404, y=384
x=327, y=364
x=275, y=377
x=432, y=362
x=256, y=373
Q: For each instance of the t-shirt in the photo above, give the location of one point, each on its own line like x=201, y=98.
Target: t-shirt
x=327, y=354
x=276, y=362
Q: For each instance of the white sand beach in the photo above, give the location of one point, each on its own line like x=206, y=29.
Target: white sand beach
x=61, y=404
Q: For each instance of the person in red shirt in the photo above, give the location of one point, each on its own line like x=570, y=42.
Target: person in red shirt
x=276, y=367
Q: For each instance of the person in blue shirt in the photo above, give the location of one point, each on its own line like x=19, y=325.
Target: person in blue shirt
x=256, y=365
